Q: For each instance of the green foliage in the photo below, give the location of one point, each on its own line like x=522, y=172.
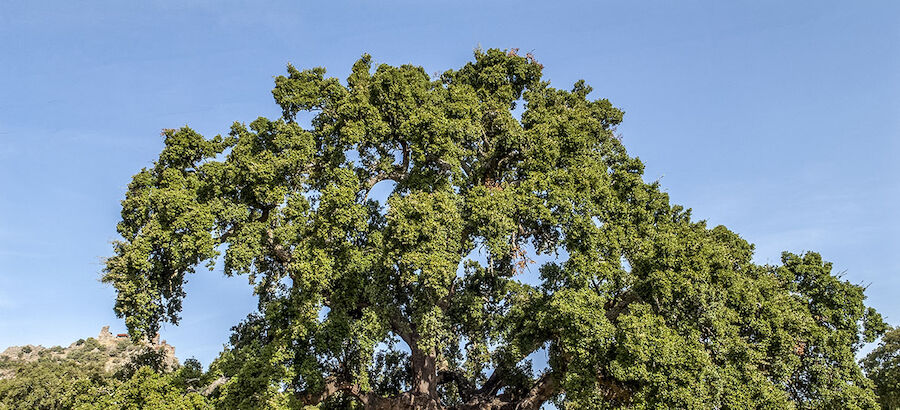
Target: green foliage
x=88, y=353
x=190, y=376
x=145, y=389
x=148, y=357
x=77, y=379
x=882, y=365
x=45, y=384
x=423, y=298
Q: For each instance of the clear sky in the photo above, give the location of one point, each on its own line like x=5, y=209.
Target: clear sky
x=777, y=119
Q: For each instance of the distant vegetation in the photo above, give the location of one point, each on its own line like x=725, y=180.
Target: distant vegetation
x=99, y=374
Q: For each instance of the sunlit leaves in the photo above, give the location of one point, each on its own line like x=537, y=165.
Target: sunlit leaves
x=391, y=241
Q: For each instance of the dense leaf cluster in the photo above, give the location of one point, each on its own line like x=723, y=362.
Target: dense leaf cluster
x=389, y=241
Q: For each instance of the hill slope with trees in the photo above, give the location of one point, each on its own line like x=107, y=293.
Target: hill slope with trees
x=99, y=373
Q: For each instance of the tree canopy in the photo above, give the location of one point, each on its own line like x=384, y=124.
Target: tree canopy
x=425, y=242
x=882, y=365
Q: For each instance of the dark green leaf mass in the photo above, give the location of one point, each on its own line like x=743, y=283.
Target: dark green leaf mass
x=515, y=226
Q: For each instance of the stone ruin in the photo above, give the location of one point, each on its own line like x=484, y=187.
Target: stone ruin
x=106, y=338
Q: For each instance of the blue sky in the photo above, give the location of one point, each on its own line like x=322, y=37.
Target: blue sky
x=777, y=120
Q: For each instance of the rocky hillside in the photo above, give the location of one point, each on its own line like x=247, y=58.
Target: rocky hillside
x=107, y=352
x=104, y=372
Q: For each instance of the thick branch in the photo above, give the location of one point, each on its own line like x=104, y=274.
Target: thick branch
x=615, y=309
x=213, y=386
x=281, y=254
x=465, y=386
x=405, y=147
x=332, y=386
x=542, y=390
x=493, y=383
x=404, y=330
x=397, y=172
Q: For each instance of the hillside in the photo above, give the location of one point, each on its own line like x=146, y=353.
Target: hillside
x=107, y=371
x=107, y=351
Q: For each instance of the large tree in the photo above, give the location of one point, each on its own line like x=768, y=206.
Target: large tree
x=390, y=242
